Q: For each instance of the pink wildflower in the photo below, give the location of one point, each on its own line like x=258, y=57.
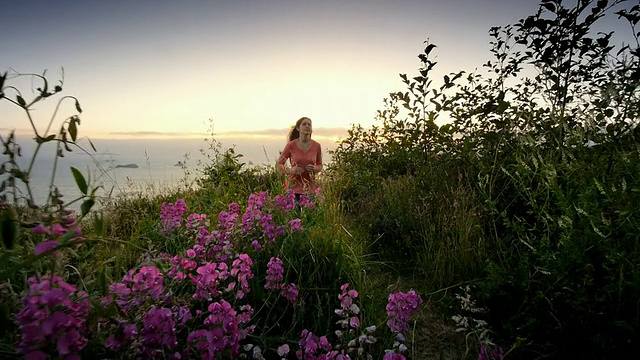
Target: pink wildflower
x=45, y=246
x=400, y=307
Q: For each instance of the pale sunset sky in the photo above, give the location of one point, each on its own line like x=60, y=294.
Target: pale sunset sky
x=164, y=68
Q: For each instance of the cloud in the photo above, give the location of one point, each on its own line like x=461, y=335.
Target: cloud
x=320, y=133
x=271, y=134
x=4, y=131
x=156, y=135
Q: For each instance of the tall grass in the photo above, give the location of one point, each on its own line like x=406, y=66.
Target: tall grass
x=423, y=225
x=329, y=253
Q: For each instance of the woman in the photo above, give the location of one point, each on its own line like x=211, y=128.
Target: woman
x=305, y=158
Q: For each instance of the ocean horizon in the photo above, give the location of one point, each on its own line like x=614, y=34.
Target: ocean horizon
x=160, y=164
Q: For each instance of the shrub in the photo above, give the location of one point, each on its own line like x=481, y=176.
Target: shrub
x=534, y=173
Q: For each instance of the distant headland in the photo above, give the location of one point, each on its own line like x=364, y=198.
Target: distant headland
x=127, y=166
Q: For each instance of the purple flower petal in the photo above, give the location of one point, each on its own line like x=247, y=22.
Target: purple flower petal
x=45, y=246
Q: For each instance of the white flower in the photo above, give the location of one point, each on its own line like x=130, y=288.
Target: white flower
x=370, y=329
x=354, y=309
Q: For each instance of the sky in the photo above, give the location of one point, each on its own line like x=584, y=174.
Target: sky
x=243, y=68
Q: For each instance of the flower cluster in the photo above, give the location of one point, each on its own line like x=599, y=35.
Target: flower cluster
x=400, y=307
x=296, y=225
x=188, y=306
x=314, y=347
x=141, y=296
x=351, y=345
x=195, y=221
x=182, y=265
x=171, y=215
x=157, y=336
x=158, y=332
x=307, y=202
x=53, y=319
x=275, y=273
x=163, y=323
x=227, y=220
x=274, y=278
x=310, y=201
x=350, y=323
x=223, y=330
x=286, y=202
x=208, y=279
x=241, y=269
x=258, y=201
x=54, y=228
x=289, y=291
x=348, y=308
x=137, y=287
x=259, y=225
x=256, y=222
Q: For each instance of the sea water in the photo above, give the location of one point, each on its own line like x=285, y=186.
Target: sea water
x=162, y=164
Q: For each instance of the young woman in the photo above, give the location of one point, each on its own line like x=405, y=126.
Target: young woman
x=305, y=158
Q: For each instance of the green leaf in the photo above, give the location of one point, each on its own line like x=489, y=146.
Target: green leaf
x=93, y=192
x=80, y=181
x=102, y=280
x=86, y=206
x=45, y=89
x=21, y=101
x=428, y=49
x=8, y=227
x=39, y=139
x=502, y=106
x=73, y=129
x=98, y=224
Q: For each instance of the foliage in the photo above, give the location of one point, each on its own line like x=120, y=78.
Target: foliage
x=17, y=178
x=541, y=152
x=214, y=299
x=226, y=175
x=31, y=231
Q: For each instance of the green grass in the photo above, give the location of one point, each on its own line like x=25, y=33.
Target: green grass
x=125, y=233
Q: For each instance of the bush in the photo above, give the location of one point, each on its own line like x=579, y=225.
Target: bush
x=528, y=191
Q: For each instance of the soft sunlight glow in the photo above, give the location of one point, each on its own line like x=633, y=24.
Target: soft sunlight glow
x=161, y=70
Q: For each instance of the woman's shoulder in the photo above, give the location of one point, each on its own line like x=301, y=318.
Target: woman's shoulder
x=315, y=143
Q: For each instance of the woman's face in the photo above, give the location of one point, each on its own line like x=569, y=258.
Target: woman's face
x=305, y=127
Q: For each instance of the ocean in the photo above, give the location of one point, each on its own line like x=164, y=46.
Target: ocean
x=161, y=164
